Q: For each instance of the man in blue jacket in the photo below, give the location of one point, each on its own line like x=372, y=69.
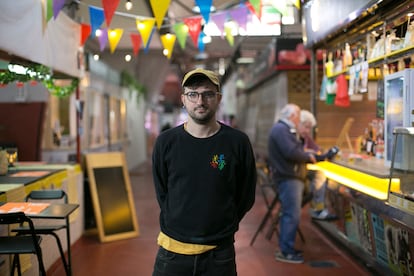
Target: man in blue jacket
x=288, y=159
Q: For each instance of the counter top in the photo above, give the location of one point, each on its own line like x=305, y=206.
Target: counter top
x=363, y=163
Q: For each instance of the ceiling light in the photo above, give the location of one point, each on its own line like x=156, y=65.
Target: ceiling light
x=128, y=5
x=95, y=57
x=206, y=39
x=245, y=60
x=196, y=9
x=128, y=58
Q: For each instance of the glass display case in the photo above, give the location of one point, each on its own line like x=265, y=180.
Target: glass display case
x=399, y=106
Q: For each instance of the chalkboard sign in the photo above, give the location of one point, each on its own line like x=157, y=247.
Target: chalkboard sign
x=111, y=195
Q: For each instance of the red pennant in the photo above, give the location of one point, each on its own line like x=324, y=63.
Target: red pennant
x=85, y=33
x=19, y=84
x=194, y=28
x=253, y=10
x=109, y=7
x=33, y=83
x=136, y=42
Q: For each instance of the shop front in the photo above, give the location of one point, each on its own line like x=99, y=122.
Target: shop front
x=368, y=56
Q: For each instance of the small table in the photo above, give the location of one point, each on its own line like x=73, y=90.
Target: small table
x=58, y=211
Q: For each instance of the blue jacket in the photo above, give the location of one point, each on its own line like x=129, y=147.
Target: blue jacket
x=287, y=157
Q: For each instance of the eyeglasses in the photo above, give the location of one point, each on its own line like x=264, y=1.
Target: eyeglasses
x=193, y=96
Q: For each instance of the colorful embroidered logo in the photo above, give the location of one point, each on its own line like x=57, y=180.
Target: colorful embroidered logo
x=218, y=161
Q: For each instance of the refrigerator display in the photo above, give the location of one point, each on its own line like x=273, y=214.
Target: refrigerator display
x=399, y=106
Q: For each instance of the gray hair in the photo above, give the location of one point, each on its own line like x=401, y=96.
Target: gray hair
x=307, y=117
x=288, y=110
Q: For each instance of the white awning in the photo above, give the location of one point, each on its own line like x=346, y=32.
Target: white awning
x=24, y=32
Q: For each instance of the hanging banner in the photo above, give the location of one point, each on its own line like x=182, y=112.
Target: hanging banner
x=114, y=36
x=205, y=8
x=57, y=7
x=109, y=7
x=239, y=15
x=145, y=28
x=96, y=18
x=136, y=42
x=181, y=31
x=194, y=28
x=85, y=33
x=159, y=8
x=168, y=41
x=103, y=39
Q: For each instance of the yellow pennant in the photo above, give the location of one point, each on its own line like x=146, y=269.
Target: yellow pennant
x=145, y=29
x=168, y=41
x=229, y=35
x=114, y=35
x=159, y=8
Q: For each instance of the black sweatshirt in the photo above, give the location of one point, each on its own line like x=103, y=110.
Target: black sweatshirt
x=204, y=186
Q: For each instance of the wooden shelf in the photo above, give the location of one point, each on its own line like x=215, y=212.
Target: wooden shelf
x=394, y=55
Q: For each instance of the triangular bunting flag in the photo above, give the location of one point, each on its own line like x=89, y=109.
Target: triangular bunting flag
x=194, y=28
x=239, y=15
x=49, y=10
x=145, y=28
x=255, y=6
x=109, y=7
x=219, y=19
x=136, y=42
x=229, y=35
x=103, y=39
x=281, y=7
x=159, y=8
x=57, y=6
x=168, y=41
x=181, y=31
x=114, y=36
x=85, y=33
x=201, y=45
x=205, y=8
x=96, y=18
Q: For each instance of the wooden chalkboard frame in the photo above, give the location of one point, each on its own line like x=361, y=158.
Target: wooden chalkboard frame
x=113, y=165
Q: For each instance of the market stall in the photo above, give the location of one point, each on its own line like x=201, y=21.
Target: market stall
x=368, y=50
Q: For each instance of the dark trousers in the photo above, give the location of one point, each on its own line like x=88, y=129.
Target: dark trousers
x=219, y=261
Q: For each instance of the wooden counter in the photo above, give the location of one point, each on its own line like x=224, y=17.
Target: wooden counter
x=378, y=231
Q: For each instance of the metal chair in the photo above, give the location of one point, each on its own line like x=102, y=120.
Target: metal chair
x=50, y=195
x=21, y=244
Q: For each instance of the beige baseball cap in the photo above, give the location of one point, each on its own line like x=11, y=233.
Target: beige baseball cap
x=212, y=76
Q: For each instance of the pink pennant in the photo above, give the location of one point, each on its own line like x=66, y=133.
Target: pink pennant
x=103, y=39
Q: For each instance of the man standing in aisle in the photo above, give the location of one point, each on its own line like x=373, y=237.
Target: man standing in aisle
x=205, y=178
x=288, y=159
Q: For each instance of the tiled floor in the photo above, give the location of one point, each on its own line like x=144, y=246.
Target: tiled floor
x=136, y=256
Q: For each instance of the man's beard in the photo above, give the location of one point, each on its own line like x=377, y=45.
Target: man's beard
x=204, y=119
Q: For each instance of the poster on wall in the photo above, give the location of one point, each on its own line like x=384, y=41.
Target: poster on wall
x=398, y=243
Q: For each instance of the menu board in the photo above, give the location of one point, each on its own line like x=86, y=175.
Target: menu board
x=111, y=195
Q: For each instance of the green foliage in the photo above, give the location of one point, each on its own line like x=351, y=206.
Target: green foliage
x=132, y=84
x=42, y=74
